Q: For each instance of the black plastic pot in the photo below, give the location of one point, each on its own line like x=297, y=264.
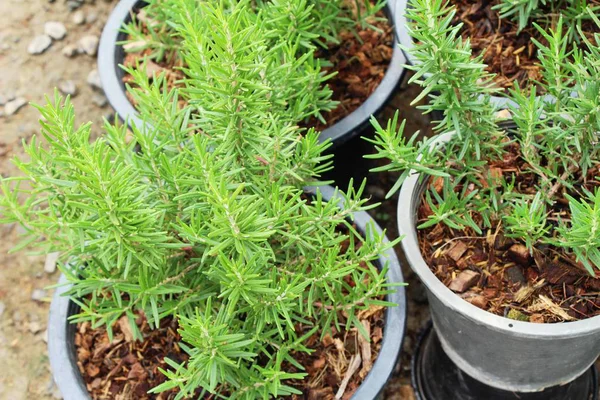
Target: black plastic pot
x=61, y=333
x=435, y=377
x=503, y=353
x=111, y=55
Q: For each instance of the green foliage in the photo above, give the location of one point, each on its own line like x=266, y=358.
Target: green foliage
x=307, y=23
x=556, y=137
x=574, y=12
x=217, y=43
x=582, y=233
x=527, y=221
x=199, y=213
x=455, y=81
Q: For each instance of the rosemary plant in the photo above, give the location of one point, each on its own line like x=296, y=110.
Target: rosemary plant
x=573, y=12
x=200, y=215
x=552, y=142
x=274, y=39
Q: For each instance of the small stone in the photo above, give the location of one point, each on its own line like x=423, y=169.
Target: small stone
x=74, y=4
x=45, y=336
x=93, y=79
x=515, y=275
x=50, y=264
x=89, y=44
x=99, y=100
x=2, y=308
x=14, y=105
x=38, y=294
x=39, y=44
x=78, y=17
x=464, y=281
x=91, y=17
x=67, y=87
x=35, y=327
x=70, y=50
x=56, y=30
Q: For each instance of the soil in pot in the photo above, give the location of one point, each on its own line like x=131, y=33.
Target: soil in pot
x=360, y=62
x=497, y=273
x=127, y=369
x=509, y=54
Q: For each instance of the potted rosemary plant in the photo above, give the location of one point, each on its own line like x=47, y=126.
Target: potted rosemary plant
x=345, y=52
x=197, y=264
x=500, y=211
x=507, y=34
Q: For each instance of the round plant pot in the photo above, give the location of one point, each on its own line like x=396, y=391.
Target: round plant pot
x=111, y=56
x=435, y=377
x=61, y=333
x=500, y=352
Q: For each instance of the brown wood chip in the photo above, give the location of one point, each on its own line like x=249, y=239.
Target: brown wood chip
x=456, y=251
x=465, y=280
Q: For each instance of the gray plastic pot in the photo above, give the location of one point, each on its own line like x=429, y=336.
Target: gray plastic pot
x=500, y=352
x=61, y=333
x=111, y=55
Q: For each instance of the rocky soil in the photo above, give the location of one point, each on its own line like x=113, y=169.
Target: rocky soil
x=33, y=37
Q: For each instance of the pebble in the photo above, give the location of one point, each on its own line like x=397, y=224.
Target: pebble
x=78, y=17
x=74, y=4
x=38, y=294
x=55, y=30
x=67, y=87
x=99, y=100
x=35, y=327
x=91, y=17
x=70, y=50
x=13, y=106
x=2, y=308
x=93, y=79
x=39, y=44
x=89, y=44
x=50, y=264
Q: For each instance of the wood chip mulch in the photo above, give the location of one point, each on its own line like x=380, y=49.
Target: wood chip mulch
x=125, y=369
x=510, y=55
x=498, y=274
x=361, y=61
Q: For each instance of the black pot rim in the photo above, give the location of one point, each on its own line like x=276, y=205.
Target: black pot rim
x=110, y=55
x=418, y=381
x=62, y=354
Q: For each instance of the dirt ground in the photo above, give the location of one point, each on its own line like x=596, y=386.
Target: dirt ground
x=25, y=372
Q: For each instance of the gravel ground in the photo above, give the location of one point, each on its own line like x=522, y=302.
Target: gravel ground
x=32, y=64
x=27, y=78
